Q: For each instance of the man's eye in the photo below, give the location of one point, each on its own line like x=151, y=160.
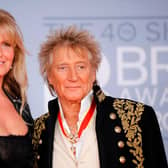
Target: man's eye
x=62, y=68
x=81, y=67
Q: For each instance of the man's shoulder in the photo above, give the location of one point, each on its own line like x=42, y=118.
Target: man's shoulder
x=126, y=102
x=39, y=124
x=41, y=119
x=128, y=108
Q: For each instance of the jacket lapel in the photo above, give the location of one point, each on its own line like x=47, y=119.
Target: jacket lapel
x=99, y=98
x=53, y=110
x=101, y=148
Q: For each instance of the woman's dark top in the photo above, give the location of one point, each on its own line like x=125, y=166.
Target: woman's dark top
x=17, y=151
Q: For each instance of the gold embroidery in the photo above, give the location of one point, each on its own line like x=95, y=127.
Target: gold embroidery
x=130, y=114
x=39, y=126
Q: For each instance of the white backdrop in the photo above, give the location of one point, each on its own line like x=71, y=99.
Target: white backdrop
x=134, y=40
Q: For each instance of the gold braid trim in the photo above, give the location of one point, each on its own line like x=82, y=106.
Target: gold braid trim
x=130, y=114
x=39, y=126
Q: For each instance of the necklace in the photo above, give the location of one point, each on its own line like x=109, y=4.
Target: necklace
x=73, y=138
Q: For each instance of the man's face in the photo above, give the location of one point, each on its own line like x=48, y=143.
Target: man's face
x=71, y=75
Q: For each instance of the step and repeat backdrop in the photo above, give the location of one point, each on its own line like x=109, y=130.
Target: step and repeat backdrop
x=134, y=40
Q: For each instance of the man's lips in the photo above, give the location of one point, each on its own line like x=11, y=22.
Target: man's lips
x=72, y=87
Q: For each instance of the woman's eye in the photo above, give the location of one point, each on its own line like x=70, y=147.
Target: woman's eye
x=6, y=44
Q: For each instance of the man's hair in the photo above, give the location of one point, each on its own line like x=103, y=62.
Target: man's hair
x=71, y=37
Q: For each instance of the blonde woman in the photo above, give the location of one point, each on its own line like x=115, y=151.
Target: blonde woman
x=15, y=118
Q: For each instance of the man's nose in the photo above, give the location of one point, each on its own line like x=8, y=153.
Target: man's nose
x=73, y=75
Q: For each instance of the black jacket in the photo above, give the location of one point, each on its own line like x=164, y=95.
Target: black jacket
x=127, y=132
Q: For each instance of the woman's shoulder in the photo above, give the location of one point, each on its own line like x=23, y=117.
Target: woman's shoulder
x=26, y=113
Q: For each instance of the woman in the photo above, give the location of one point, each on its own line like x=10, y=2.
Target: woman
x=84, y=127
x=15, y=118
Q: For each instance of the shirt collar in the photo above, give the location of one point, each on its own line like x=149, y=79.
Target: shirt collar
x=85, y=105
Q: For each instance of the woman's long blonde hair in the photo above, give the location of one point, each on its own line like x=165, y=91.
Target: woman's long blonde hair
x=15, y=81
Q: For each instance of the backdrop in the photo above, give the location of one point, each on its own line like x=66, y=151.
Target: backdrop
x=134, y=42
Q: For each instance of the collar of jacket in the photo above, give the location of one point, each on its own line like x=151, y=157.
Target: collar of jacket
x=99, y=95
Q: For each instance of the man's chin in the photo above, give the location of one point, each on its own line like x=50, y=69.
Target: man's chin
x=74, y=98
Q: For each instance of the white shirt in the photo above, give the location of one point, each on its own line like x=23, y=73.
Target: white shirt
x=86, y=148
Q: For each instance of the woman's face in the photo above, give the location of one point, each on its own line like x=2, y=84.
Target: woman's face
x=71, y=75
x=6, y=55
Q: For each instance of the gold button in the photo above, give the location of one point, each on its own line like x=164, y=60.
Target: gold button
x=117, y=129
x=112, y=116
x=40, y=141
x=122, y=159
x=38, y=157
x=121, y=144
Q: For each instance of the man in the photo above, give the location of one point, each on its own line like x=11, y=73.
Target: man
x=84, y=127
